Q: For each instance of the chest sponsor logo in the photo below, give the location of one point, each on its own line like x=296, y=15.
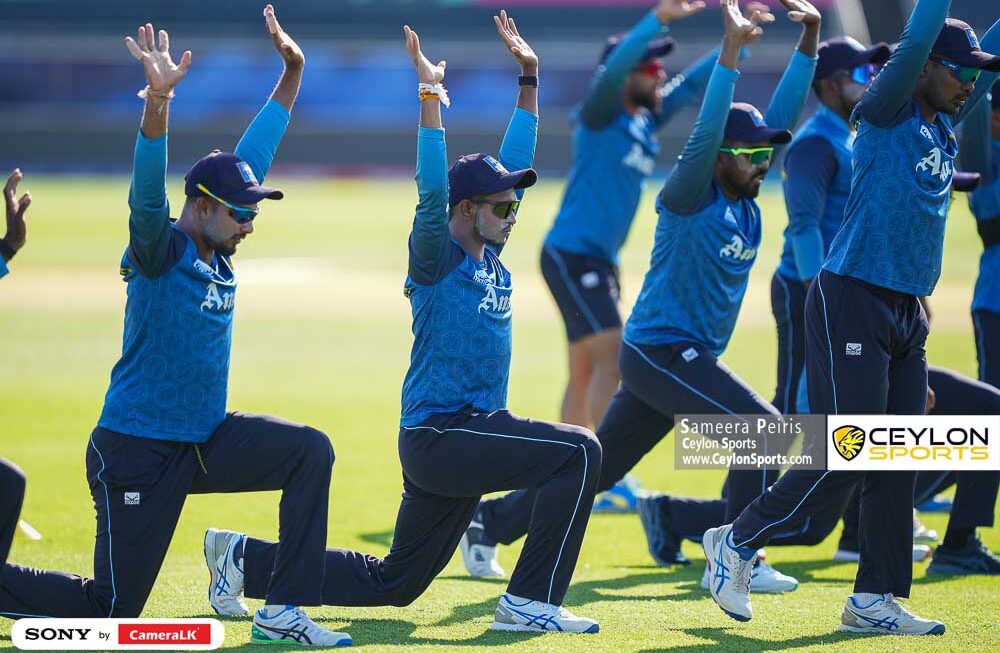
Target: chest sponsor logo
x=737, y=251
x=494, y=302
x=936, y=164
x=216, y=301
x=638, y=160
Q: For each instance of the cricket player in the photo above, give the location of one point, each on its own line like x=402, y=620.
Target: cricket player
x=457, y=440
x=706, y=241
x=817, y=181
x=980, y=152
x=615, y=149
x=164, y=431
x=865, y=328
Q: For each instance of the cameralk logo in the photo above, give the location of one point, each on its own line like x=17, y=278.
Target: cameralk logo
x=849, y=441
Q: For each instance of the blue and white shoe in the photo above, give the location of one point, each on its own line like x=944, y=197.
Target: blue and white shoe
x=225, y=589
x=479, y=554
x=729, y=572
x=882, y=614
x=937, y=503
x=663, y=543
x=764, y=579
x=290, y=625
x=622, y=497
x=525, y=615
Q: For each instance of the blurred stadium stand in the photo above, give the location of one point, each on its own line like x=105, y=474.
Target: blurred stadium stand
x=67, y=84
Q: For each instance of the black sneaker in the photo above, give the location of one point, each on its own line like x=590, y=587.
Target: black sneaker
x=664, y=544
x=971, y=559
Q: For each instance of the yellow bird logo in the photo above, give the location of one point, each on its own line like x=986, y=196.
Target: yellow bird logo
x=849, y=441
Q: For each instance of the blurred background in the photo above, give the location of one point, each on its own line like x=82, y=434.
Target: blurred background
x=67, y=84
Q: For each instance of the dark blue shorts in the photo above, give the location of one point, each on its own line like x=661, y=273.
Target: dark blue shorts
x=586, y=291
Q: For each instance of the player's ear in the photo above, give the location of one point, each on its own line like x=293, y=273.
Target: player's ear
x=926, y=69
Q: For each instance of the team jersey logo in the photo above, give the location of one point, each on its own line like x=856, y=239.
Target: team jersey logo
x=849, y=441
x=737, y=251
x=639, y=160
x=247, y=173
x=936, y=163
x=216, y=301
x=494, y=302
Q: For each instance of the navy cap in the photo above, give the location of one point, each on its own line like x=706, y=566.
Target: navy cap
x=657, y=48
x=746, y=124
x=480, y=174
x=845, y=53
x=966, y=182
x=959, y=44
x=229, y=177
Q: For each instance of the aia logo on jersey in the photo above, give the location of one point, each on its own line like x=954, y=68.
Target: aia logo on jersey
x=737, y=251
x=216, y=301
x=495, y=302
x=936, y=163
x=637, y=159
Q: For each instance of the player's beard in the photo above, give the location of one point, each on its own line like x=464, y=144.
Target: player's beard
x=648, y=101
x=482, y=234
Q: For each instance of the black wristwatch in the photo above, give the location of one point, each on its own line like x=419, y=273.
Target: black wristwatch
x=528, y=80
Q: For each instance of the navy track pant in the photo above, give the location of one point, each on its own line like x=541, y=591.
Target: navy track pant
x=449, y=462
x=864, y=355
x=788, y=302
x=11, y=497
x=657, y=383
x=987, y=328
x=139, y=486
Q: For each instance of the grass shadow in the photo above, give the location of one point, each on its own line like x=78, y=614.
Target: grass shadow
x=725, y=639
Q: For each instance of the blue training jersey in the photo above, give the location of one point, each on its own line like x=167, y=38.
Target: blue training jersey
x=3, y=268
x=615, y=151
x=461, y=306
x=979, y=153
x=893, y=233
x=816, y=175
x=706, y=243
x=171, y=380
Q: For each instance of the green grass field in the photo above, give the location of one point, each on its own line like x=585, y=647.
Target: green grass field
x=322, y=336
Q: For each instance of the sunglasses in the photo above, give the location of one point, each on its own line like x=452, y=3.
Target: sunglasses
x=240, y=214
x=961, y=73
x=503, y=210
x=653, y=68
x=758, y=155
x=864, y=74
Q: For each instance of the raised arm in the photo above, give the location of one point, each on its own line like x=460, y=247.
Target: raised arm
x=261, y=140
x=517, y=151
x=810, y=167
x=792, y=92
x=887, y=100
x=989, y=43
x=975, y=148
x=603, y=101
x=17, y=230
x=430, y=237
x=689, y=184
x=149, y=216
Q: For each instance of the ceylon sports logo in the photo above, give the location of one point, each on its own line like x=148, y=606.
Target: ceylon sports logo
x=849, y=441
x=917, y=442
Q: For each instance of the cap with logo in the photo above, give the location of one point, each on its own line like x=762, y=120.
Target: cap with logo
x=657, y=48
x=959, y=44
x=479, y=174
x=229, y=177
x=846, y=53
x=747, y=125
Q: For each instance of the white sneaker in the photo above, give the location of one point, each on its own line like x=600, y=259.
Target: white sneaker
x=884, y=615
x=729, y=574
x=921, y=552
x=225, y=590
x=764, y=579
x=921, y=533
x=292, y=626
x=480, y=559
x=514, y=613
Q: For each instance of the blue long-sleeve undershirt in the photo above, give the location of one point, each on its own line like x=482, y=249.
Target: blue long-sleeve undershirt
x=810, y=168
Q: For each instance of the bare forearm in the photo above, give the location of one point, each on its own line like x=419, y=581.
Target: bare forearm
x=154, y=117
x=809, y=41
x=430, y=113
x=729, y=56
x=288, y=87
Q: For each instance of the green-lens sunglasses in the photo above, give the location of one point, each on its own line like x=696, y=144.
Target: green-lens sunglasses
x=242, y=214
x=502, y=210
x=961, y=73
x=758, y=155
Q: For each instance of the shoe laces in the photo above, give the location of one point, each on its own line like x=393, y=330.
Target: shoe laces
x=742, y=571
x=894, y=604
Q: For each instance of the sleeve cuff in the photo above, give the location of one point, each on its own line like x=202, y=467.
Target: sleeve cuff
x=273, y=106
x=142, y=141
x=3, y=267
x=431, y=133
x=726, y=73
x=801, y=59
